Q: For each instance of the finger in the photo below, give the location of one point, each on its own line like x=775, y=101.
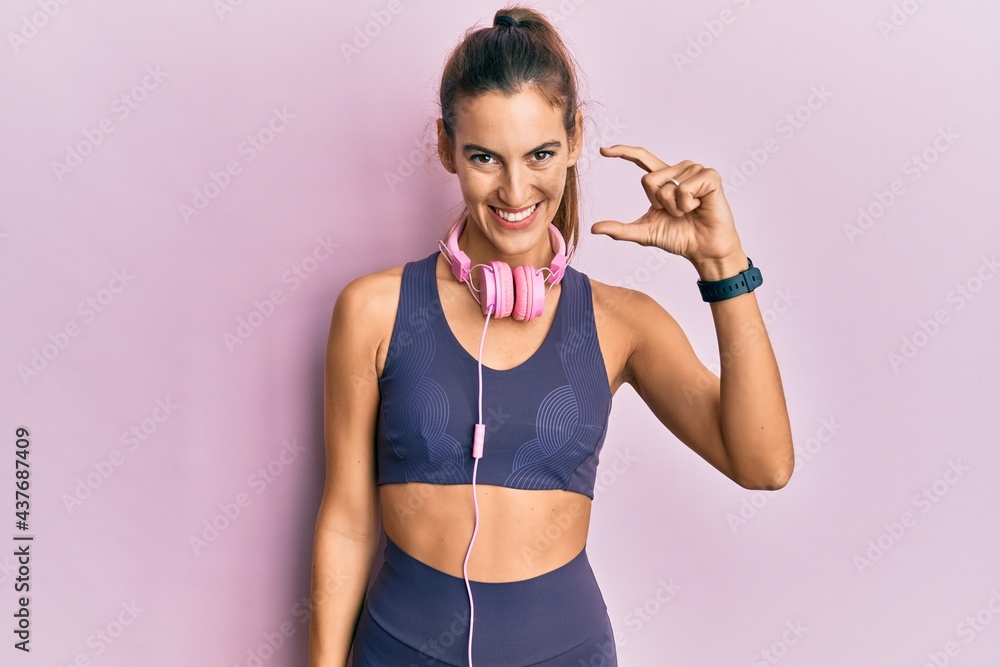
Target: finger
x=675, y=197
x=619, y=231
x=692, y=190
x=655, y=181
x=636, y=154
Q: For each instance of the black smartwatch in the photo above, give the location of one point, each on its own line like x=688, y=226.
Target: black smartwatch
x=719, y=290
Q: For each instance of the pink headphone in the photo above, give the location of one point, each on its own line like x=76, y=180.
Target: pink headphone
x=521, y=290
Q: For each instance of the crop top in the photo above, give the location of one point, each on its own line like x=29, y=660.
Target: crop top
x=545, y=419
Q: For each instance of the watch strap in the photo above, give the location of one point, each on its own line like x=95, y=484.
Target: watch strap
x=743, y=282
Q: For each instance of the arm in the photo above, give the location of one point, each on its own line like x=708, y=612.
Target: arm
x=739, y=422
x=347, y=525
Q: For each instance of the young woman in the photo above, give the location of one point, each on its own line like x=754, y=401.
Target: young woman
x=478, y=452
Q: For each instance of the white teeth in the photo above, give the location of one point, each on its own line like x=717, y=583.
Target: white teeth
x=515, y=217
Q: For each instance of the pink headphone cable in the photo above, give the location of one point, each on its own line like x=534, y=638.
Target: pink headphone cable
x=465, y=276
x=477, y=453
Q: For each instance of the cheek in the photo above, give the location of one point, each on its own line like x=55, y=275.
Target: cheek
x=476, y=183
x=556, y=182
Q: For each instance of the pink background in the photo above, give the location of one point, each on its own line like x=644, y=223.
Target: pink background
x=882, y=550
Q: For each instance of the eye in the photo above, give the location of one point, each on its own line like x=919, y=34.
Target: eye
x=549, y=153
x=479, y=155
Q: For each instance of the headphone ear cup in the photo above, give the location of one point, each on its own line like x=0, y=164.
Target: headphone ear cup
x=530, y=289
x=502, y=290
x=487, y=290
x=537, y=293
x=521, y=290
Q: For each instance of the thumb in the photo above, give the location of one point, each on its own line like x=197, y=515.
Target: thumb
x=615, y=229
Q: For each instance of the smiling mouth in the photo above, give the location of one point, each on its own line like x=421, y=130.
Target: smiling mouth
x=515, y=216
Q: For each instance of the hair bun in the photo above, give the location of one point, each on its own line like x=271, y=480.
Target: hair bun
x=503, y=19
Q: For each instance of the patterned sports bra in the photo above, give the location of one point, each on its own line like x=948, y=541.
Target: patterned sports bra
x=545, y=419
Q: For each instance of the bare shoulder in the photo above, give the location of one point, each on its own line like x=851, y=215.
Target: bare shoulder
x=373, y=288
x=617, y=313
x=371, y=299
x=622, y=306
x=368, y=305
x=624, y=316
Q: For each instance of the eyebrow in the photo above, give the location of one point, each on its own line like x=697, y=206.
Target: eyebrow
x=548, y=144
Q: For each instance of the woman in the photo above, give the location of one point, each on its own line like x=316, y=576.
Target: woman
x=485, y=478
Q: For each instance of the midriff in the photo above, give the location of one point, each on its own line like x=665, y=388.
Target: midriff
x=522, y=533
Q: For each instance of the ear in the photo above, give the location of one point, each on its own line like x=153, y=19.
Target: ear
x=576, y=141
x=445, y=147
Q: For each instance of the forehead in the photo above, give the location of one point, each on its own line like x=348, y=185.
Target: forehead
x=499, y=119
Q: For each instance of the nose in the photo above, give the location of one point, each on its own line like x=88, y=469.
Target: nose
x=515, y=186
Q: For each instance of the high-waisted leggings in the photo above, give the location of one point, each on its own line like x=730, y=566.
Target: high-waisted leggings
x=417, y=615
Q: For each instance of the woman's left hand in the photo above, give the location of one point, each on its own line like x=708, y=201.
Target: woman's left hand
x=692, y=219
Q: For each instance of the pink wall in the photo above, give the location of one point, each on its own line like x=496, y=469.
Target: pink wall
x=170, y=171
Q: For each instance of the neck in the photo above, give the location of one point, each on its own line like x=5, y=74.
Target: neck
x=481, y=251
